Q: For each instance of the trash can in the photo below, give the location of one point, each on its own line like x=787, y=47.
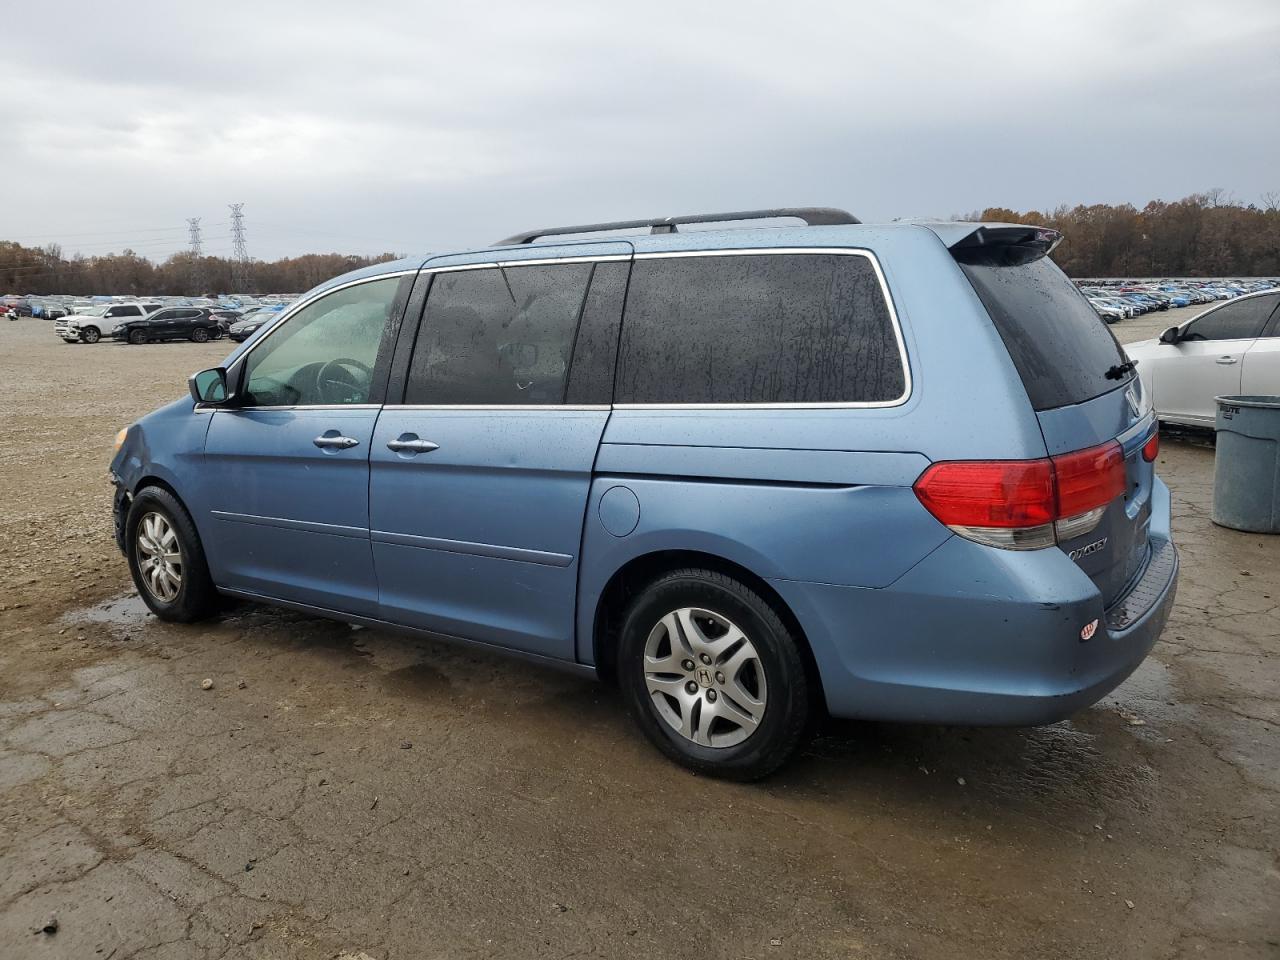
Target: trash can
x=1246, y=474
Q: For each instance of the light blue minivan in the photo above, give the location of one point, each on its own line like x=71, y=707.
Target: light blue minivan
x=753, y=476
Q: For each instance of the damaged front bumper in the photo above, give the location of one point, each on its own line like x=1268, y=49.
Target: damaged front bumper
x=119, y=509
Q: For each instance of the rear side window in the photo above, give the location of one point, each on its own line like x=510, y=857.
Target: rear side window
x=1061, y=348
x=1242, y=320
x=758, y=328
x=498, y=336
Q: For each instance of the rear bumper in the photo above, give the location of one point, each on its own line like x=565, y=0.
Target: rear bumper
x=975, y=635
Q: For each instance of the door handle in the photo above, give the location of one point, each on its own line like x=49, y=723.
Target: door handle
x=1225, y=360
x=341, y=443
x=414, y=445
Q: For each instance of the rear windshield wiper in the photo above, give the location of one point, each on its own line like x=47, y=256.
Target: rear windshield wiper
x=1120, y=370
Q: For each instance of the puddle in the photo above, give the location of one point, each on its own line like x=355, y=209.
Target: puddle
x=124, y=611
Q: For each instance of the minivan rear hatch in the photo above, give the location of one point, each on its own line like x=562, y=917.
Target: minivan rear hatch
x=1079, y=382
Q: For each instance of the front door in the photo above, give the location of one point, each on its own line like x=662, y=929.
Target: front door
x=479, y=480
x=287, y=467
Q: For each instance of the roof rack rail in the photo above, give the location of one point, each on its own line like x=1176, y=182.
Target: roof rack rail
x=813, y=216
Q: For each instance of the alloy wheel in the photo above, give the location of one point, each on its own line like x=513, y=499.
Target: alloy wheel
x=704, y=677
x=159, y=557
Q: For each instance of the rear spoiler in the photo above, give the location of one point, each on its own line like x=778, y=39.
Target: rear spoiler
x=997, y=244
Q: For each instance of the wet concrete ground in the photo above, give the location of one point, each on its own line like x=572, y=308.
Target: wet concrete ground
x=343, y=791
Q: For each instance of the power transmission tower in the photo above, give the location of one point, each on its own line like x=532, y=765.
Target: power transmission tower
x=239, y=251
x=197, y=256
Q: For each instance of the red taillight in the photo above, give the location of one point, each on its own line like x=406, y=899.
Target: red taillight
x=1088, y=479
x=988, y=493
x=1151, y=449
x=985, y=499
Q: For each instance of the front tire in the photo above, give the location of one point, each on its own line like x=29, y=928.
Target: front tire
x=137, y=337
x=713, y=676
x=166, y=560
x=90, y=334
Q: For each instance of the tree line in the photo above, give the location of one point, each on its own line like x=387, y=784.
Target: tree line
x=1203, y=235
x=43, y=270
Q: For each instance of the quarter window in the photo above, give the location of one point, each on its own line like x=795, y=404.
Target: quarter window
x=498, y=335
x=1242, y=320
x=771, y=328
x=326, y=353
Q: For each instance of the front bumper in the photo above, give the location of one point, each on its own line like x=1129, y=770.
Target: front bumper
x=975, y=635
x=119, y=510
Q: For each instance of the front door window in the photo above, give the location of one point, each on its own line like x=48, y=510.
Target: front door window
x=326, y=352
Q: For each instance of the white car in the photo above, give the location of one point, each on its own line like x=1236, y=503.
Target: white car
x=1231, y=349
x=98, y=322
x=1109, y=312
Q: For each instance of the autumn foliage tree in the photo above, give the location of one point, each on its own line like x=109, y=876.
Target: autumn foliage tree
x=42, y=270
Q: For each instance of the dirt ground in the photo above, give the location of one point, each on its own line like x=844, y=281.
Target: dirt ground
x=345, y=792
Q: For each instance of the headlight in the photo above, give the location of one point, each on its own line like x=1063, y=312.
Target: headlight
x=120, y=438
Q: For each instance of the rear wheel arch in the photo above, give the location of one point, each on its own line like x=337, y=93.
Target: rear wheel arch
x=639, y=572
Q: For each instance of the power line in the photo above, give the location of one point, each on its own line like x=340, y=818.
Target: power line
x=97, y=233
x=239, y=250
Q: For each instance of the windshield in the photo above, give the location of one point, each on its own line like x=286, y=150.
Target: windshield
x=1063, y=351
x=94, y=312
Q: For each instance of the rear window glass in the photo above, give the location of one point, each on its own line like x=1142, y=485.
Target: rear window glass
x=1061, y=348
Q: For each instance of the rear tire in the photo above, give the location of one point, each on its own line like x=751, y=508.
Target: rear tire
x=748, y=675
x=166, y=560
x=137, y=337
x=90, y=334
x=199, y=335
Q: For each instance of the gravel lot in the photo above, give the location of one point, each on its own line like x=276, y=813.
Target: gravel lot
x=344, y=792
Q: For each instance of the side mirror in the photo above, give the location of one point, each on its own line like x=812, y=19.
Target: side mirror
x=208, y=386
x=1170, y=336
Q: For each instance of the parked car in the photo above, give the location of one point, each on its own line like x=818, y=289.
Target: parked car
x=1233, y=348
x=1110, y=312
x=171, y=323
x=225, y=317
x=744, y=473
x=252, y=322
x=93, y=324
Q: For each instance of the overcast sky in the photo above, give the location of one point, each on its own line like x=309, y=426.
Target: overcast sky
x=415, y=126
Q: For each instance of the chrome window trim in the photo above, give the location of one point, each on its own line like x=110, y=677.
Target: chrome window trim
x=304, y=406
x=531, y=262
x=508, y=407
x=907, y=381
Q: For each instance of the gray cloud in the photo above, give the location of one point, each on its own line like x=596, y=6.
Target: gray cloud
x=409, y=126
